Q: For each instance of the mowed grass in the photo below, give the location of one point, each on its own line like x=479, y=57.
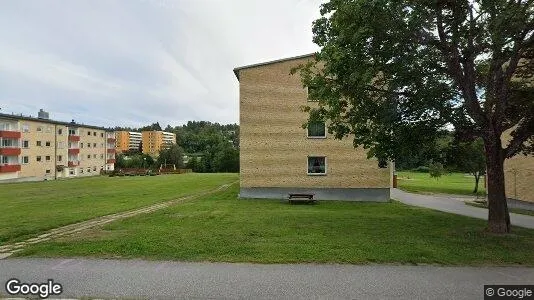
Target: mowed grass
x=220, y=227
x=27, y=209
x=450, y=183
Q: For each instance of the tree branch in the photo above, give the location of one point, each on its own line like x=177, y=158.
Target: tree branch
x=520, y=135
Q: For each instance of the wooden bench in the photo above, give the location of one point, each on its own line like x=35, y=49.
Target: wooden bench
x=300, y=197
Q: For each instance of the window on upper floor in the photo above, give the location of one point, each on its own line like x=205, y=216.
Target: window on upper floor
x=316, y=130
x=316, y=165
x=25, y=159
x=310, y=94
x=38, y=143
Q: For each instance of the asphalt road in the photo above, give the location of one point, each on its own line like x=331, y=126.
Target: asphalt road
x=177, y=280
x=455, y=204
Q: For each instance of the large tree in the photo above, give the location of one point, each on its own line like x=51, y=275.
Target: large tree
x=393, y=73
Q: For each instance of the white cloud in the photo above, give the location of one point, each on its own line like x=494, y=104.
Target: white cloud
x=129, y=62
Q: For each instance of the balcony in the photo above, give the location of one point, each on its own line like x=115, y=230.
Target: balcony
x=74, y=138
x=111, y=161
x=73, y=164
x=111, y=150
x=10, y=134
x=74, y=151
x=9, y=168
x=10, y=151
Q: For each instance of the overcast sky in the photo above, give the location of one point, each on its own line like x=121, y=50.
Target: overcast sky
x=134, y=62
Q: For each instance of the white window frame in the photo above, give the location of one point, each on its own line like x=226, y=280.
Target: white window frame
x=27, y=160
x=315, y=137
x=325, y=165
x=27, y=146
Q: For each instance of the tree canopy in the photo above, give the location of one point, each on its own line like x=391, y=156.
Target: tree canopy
x=392, y=74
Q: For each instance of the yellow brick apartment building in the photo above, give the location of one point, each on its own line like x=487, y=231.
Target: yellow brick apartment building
x=278, y=156
x=127, y=140
x=43, y=149
x=154, y=141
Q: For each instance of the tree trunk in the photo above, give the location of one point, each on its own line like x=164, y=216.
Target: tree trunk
x=477, y=178
x=498, y=216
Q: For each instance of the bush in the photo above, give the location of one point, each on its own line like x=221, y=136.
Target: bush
x=436, y=170
x=422, y=169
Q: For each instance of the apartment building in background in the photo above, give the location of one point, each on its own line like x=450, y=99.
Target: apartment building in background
x=154, y=141
x=38, y=148
x=278, y=156
x=128, y=140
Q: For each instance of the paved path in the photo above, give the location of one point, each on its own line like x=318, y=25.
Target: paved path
x=9, y=249
x=455, y=205
x=176, y=280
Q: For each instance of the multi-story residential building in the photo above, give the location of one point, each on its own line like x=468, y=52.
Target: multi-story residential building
x=128, y=140
x=154, y=141
x=278, y=156
x=519, y=178
x=39, y=148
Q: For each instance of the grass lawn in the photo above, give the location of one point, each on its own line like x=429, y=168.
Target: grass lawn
x=219, y=227
x=451, y=183
x=27, y=209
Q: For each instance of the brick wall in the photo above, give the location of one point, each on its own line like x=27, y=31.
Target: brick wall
x=274, y=147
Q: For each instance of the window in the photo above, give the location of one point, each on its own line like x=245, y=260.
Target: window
x=48, y=129
x=94, y=169
x=316, y=130
x=88, y=145
x=5, y=160
x=59, y=158
x=25, y=128
x=94, y=133
x=81, y=145
x=47, y=144
x=25, y=159
x=47, y=158
x=101, y=156
x=88, y=170
x=61, y=145
x=101, y=134
x=310, y=94
x=81, y=171
x=39, y=128
x=47, y=171
x=94, y=155
x=88, y=132
x=316, y=165
x=94, y=145
x=38, y=143
x=38, y=158
x=60, y=131
x=26, y=144
x=88, y=156
x=72, y=131
x=71, y=171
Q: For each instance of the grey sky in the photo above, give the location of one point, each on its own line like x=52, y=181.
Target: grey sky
x=134, y=62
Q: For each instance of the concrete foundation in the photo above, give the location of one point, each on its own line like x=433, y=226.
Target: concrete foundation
x=513, y=203
x=344, y=194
